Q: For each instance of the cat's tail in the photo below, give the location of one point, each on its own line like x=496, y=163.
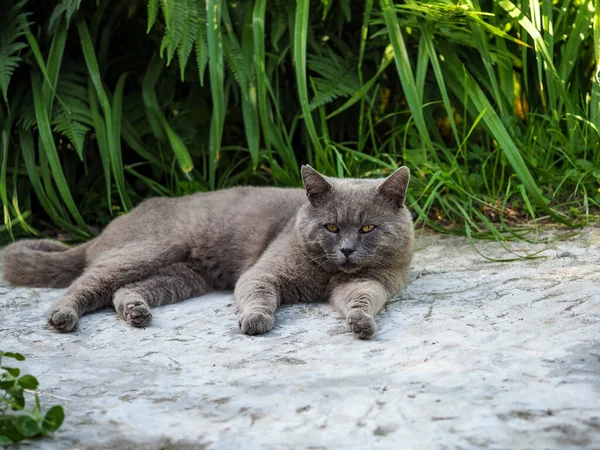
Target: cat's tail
x=43, y=263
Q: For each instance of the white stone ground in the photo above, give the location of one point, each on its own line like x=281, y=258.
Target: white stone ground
x=473, y=354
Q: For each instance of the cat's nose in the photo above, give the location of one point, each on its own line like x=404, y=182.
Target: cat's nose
x=347, y=251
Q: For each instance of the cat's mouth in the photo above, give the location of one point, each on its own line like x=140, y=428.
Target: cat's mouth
x=349, y=267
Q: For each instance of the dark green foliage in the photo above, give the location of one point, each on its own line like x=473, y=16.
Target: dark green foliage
x=16, y=421
x=494, y=106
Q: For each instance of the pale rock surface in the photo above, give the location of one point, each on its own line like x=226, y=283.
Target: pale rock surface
x=472, y=354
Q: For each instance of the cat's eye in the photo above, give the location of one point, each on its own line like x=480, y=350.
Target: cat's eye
x=367, y=228
x=332, y=228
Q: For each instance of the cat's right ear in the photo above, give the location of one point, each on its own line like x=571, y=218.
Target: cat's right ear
x=315, y=184
x=394, y=187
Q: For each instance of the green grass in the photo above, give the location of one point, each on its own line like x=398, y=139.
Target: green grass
x=494, y=106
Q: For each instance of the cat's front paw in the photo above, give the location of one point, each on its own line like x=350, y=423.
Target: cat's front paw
x=361, y=323
x=63, y=319
x=255, y=322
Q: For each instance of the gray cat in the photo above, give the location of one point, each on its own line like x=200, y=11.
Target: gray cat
x=344, y=240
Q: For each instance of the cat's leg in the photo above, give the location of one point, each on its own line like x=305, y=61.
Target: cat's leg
x=360, y=301
x=171, y=284
x=257, y=296
x=104, y=275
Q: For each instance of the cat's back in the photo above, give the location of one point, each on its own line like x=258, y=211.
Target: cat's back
x=230, y=229
x=207, y=217
x=246, y=202
x=242, y=211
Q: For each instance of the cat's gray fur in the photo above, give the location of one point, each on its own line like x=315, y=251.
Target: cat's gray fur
x=271, y=245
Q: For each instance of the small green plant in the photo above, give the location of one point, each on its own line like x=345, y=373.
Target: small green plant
x=16, y=422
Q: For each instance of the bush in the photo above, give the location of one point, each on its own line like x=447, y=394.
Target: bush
x=494, y=106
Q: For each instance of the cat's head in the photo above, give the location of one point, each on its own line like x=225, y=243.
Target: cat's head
x=352, y=224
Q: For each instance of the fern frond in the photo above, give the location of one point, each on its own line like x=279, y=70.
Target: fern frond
x=67, y=125
x=66, y=9
x=72, y=116
x=188, y=35
x=152, y=14
x=337, y=79
x=176, y=13
x=201, y=44
x=26, y=112
x=234, y=59
x=10, y=32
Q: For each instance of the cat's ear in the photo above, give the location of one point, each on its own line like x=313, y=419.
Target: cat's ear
x=394, y=187
x=315, y=184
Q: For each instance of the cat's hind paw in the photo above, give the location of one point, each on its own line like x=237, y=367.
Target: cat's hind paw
x=63, y=319
x=137, y=313
x=362, y=324
x=254, y=322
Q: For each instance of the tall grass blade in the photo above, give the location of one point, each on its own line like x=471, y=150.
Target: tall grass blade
x=215, y=66
x=49, y=150
x=300, y=44
x=405, y=71
x=258, y=30
x=595, y=97
x=113, y=136
x=439, y=76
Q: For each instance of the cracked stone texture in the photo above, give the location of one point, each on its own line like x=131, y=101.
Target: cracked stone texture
x=472, y=354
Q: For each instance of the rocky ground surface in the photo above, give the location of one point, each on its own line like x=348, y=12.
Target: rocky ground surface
x=472, y=354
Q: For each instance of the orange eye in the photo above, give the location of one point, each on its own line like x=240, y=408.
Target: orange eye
x=332, y=228
x=367, y=228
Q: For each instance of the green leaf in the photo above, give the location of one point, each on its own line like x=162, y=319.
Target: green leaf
x=28, y=382
x=8, y=428
x=27, y=426
x=16, y=356
x=53, y=419
x=181, y=152
x=17, y=400
x=6, y=385
x=14, y=371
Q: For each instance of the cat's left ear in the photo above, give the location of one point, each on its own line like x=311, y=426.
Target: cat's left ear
x=315, y=184
x=394, y=187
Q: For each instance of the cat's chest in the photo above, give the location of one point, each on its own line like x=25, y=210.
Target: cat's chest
x=305, y=285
